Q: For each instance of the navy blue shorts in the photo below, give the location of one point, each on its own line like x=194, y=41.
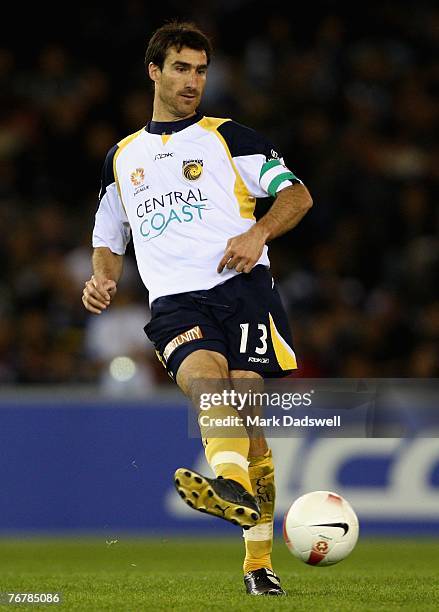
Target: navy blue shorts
x=243, y=319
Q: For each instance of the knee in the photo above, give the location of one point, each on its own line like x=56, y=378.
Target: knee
x=245, y=374
x=203, y=371
x=204, y=364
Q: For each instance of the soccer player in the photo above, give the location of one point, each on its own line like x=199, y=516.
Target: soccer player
x=185, y=187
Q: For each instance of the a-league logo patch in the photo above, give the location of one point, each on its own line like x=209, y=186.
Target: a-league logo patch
x=192, y=169
x=137, y=176
x=191, y=334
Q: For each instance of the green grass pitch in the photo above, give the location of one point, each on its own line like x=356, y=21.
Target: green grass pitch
x=199, y=574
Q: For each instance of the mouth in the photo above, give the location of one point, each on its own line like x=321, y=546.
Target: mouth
x=188, y=96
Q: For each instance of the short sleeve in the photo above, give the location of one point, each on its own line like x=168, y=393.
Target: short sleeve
x=258, y=162
x=112, y=228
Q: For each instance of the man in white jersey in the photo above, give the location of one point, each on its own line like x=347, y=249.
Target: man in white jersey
x=185, y=188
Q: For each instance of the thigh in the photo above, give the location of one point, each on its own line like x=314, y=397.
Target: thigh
x=180, y=326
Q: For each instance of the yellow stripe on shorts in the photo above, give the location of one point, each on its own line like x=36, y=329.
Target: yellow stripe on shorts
x=284, y=353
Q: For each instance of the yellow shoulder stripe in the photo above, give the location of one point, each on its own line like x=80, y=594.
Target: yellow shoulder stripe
x=246, y=201
x=120, y=146
x=211, y=123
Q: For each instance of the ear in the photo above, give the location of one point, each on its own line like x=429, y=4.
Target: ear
x=154, y=72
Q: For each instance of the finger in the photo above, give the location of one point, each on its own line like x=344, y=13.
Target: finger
x=234, y=261
x=248, y=268
x=221, y=265
x=89, y=307
x=94, y=301
x=223, y=261
x=240, y=267
x=109, y=285
x=228, y=253
x=92, y=290
x=97, y=290
x=100, y=287
x=93, y=310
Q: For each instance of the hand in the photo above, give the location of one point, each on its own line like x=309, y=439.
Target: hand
x=243, y=251
x=98, y=293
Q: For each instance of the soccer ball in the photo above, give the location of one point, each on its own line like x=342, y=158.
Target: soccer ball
x=321, y=528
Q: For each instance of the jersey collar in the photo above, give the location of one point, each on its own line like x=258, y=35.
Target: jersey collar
x=169, y=127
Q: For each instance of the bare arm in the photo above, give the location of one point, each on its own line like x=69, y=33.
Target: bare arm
x=107, y=264
x=102, y=286
x=290, y=206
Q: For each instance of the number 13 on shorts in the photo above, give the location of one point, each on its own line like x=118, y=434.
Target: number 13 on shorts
x=262, y=348
x=260, y=339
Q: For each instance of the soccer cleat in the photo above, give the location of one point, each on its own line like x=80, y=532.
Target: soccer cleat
x=263, y=582
x=220, y=497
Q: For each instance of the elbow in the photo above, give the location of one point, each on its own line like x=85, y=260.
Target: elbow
x=307, y=200
x=304, y=199
x=307, y=203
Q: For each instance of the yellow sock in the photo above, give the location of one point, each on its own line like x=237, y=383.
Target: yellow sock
x=226, y=447
x=259, y=539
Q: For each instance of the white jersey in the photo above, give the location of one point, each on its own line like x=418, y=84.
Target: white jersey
x=182, y=189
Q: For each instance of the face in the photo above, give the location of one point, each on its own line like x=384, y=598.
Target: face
x=180, y=84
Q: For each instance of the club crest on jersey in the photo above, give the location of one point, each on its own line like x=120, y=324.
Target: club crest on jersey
x=192, y=169
x=137, y=176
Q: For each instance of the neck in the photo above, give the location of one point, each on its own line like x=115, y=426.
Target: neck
x=165, y=114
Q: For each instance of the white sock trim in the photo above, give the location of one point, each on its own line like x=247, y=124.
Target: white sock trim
x=229, y=457
x=259, y=533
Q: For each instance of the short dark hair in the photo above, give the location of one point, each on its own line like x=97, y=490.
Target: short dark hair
x=176, y=34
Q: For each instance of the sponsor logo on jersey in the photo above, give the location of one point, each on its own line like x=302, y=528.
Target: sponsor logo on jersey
x=259, y=359
x=274, y=155
x=191, y=334
x=137, y=177
x=163, y=155
x=175, y=207
x=192, y=169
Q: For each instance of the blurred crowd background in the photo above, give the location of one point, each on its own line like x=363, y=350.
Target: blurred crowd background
x=347, y=95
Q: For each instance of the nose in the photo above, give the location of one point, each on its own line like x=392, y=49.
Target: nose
x=192, y=80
